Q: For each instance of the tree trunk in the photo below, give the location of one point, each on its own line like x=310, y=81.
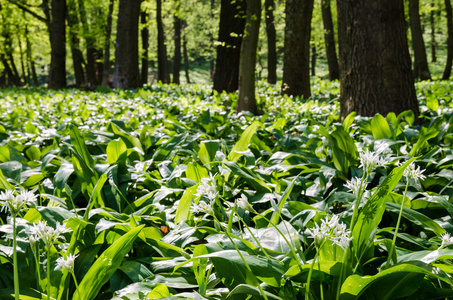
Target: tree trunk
x=25, y=73
x=186, y=59
x=231, y=28
x=246, y=96
x=447, y=71
x=375, y=65
x=127, y=73
x=77, y=56
x=296, y=61
x=108, y=33
x=211, y=36
x=145, y=46
x=269, y=7
x=329, y=40
x=421, y=69
x=90, y=47
x=313, y=60
x=162, y=64
x=57, y=72
x=30, y=58
x=177, y=40
x=433, y=34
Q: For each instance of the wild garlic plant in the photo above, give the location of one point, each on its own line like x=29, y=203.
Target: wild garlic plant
x=67, y=262
x=15, y=203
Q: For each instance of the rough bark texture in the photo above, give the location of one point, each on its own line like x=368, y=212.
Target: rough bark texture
x=57, y=72
x=177, y=40
x=269, y=6
x=421, y=69
x=162, y=64
x=329, y=40
x=375, y=65
x=108, y=33
x=145, y=46
x=127, y=73
x=231, y=28
x=296, y=62
x=246, y=97
x=447, y=71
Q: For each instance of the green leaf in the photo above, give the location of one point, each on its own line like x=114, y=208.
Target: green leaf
x=423, y=137
x=276, y=215
x=380, y=128
x=114, y=150
x=249, y=290
x=183, y=210
x=104, y=267
x=4, y=154
x=348, y=121
x=244, y=141
x=4, y=184
x=251, y=178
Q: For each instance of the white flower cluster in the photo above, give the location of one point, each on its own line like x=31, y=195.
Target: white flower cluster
x=446, y=239
x=207, y=187
x=202, y=207
x=414, y=173
x=355, y=185
x=243, y=203
x=67, y=263
x=48, y=234
x=331, y=230
x=15, y=203
x=370, y=161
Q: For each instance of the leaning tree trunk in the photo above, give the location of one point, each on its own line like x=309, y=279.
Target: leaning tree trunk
x=57, y=72
x=145, y=45
x=231, y=28
x=177, y=40
x=247, y=62
x=108, y=33
x=127, y=73
x=296, y=61
x=447, y=71
x=375, y=65
x=269, y=7
x=329, y=40
x=421, y=69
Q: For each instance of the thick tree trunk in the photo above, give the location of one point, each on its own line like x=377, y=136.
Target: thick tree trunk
x=108, y=33
x=57, y=72
x=127, y=73
x=231, y=28
x=162, y=63
x=246, y=96
x=421, y=69
x=447, y=70
x=329, y=40
x=77, y=56
x=296, y=62
x=177, y=40
x=375, y=65
x=269, y=6
x=186, y=59
x=145, y=46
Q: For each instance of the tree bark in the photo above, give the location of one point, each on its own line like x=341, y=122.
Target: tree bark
x=433, y=34
x=145, y=46
x=162, y=63
x=269, y=6
x=30, y=59
x=77, y=55
x=177, y=40
x=90, y=47
x=108, y=33
x=127, y=73
x=314, y=55
x=448, y=65
x=57, y=72
x=296, y=61
x=231, y=28
x=421, y=69
x=246, y=96
x=375, y=65
x=186, y=59
x=329, y=40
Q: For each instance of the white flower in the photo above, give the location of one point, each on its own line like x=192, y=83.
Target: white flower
x=370, y=161
x=331, y=230
x=355, y=185
x=382, y=147
x=243, y=203
x=67, y=263
x=48, y=234
x=412, y=173
x=16, y=203
x=202, y=207
x=207, y=187
x=446, y=239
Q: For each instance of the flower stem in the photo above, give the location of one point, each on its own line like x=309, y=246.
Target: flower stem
x=307, y=288
x=75, y=280
x=15, y=266
x=48, y=273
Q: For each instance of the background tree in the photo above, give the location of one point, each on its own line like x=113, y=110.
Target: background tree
x=177, y=40
x=447, y=71
x=163, y=72
x=145, y=45
x=296, y=61
x=421, y=69
x=57, y=72
x=269, y=7
x=74, y=41
x=329, y=39
x=375, y=66
x=107, y=36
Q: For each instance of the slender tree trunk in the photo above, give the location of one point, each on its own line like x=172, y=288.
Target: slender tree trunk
x=313, y=60
x=296, y=62
x=375, y=64
x=447, y=70
x=57, y=73
x=433, y=33
x=421, y=69
x=186, y=59
x=90, y=46
x=108, y=33
x=329, y=40
x=145, y=46
x=211, y=36
x=247, y=63
x=269, y=6
x=127, y=74
x=162, y=63
x=30, y=58
x=177, y=40
x=231, y=28
x=77, y=56
x=25, y=72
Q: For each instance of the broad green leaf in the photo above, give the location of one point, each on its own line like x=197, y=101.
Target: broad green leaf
x=432, y=103
x=347, y=122
x=380, y=128
x=96, y=196
x=159, y=292
x=276, y=215
x=183, y=210
x=80, y=148
x=196, y=172
x=4, y=184
x=114, y=150
x=251, y=178
x=423, y=137
x=244, y=141
x=249, y=290
x=4, y=154
x=103, y=268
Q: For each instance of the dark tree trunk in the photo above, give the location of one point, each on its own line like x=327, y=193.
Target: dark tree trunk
x=25, y=72
x=90, y=47
x=177, y=40
x=30, y=59
x=77, y=56
x=269, y=7
x=57, y=73
x=145, y=46
x=186, y=59
x=421, y=69
x=375, y=65
x=246, y=96
x=211, y=59
x=433, y=34
x=108, y=33
x=127, y=73
x=447, y=71
x=12, y=78
x=329, y=40
x=162, y=63
x=314, y=55
x=296, y=61
x=231, y=28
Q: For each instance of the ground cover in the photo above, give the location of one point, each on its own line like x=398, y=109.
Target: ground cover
x=166, y=192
